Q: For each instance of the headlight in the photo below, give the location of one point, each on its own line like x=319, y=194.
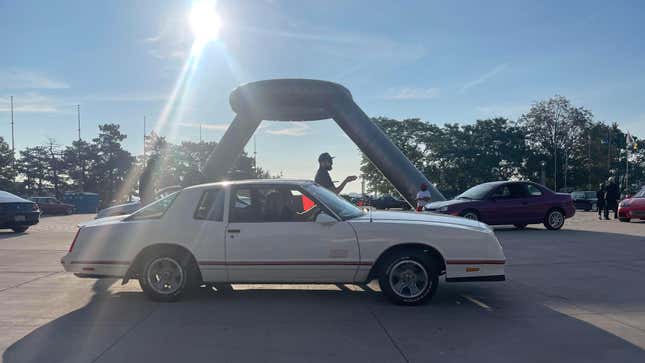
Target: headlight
x=442, y=209
x=624, y=203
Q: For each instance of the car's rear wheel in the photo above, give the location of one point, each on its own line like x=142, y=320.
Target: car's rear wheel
x=165, y=278
x=520, y=226
x=554, y=219
x=470, y=214
x=624, y=219
x=409, y=278
x=20, y=229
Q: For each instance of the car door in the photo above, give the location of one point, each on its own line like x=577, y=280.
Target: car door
x=271, y=238
x=209, y=238
x=536, y=203
x=504, y=206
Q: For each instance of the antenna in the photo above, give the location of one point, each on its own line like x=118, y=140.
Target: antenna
x=78, y=116
x=13, y=141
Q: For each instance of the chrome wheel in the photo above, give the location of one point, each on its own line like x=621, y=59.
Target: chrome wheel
x=165, y=275
x=556, y=219
x=409, y=279
x=471, y=216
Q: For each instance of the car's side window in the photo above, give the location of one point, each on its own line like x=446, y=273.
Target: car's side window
x=211, y=205
x=533, y=191
x=271, y=204
x=501, y=192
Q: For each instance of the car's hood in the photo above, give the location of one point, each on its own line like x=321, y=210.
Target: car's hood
x=103, y=221
x=447, y=203
x=634, y=202
x=425, y=217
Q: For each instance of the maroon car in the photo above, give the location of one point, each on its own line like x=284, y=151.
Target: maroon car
x=510, y=202
x=51, y=205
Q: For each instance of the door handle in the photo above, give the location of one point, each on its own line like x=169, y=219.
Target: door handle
x=233, y=231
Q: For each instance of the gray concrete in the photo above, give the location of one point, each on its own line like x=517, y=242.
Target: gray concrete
x=575, y=295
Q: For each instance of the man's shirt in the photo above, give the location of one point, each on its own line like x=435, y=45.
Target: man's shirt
x=323, y=178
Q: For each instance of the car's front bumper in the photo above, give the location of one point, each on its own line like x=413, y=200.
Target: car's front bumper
x=631, y=213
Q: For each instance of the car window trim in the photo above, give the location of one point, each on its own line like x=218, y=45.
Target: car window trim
x=299, y=188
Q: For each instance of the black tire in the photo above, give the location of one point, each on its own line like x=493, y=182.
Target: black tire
x=20, y=229
x=470, y=214
x=520, y=226
x=424, y=268
x=554, y=219
x=624, y=219
x=173, y=262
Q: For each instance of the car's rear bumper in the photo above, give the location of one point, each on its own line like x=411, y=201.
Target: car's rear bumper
x=9, y=220
x=94, y=268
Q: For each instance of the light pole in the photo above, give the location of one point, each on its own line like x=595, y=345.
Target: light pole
x=543, y=176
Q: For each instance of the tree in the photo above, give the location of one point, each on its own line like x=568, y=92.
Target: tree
x=7, y=170
x=79, y=160
x=113, y=164
x=33, y=165
x=554, y=128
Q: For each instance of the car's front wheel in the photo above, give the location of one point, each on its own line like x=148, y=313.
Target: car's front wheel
x=554, y=220
x=165, y=278
x=409, y=278
x=470, y=214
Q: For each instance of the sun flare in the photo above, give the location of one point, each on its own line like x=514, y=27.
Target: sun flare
x=204, y=21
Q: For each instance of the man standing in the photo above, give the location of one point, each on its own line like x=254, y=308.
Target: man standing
x=325, y=162
x=600, y=195
x=612, y=195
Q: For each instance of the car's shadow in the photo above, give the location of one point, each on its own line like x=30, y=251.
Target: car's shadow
x=492, y=323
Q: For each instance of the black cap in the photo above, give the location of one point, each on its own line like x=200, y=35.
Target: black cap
x=325, y=156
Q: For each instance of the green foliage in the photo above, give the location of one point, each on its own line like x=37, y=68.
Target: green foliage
x=553, y=132
x=7, y=171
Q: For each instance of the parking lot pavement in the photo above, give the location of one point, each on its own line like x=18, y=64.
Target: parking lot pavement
x=571, y=295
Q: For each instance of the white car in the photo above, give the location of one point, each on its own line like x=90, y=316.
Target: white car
x=282, y=231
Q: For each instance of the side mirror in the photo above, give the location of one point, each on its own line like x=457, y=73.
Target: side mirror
x=325, y=219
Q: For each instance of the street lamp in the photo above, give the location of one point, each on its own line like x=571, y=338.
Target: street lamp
x=543, y=176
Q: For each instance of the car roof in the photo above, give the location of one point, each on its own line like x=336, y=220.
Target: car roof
x=252, y=182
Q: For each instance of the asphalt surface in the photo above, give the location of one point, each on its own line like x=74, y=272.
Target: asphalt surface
x=575, y=295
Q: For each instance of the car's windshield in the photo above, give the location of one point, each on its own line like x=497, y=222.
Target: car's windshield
x=155, y=209
x=338, y=205
x=477, y=192
x=640, y=194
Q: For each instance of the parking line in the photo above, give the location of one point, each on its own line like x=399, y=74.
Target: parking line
x=477, y=302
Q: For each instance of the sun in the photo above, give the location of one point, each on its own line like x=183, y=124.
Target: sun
x=204, y=21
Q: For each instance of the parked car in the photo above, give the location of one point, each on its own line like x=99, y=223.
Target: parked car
x=17, y=213
x=131, y=207
x=51, y=205
x=585, y=199
x=260, y=231
x=633, y=207
x=519, y=203
x=388, y=202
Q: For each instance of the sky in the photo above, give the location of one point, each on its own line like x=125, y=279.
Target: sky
x=449, y=61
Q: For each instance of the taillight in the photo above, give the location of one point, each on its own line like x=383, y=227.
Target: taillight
x=74, y=240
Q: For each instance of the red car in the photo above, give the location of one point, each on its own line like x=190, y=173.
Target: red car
x=51, y=205
x=633, y=207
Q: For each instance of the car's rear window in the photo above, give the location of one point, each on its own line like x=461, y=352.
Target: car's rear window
x=155, y=209
x=211, y=206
